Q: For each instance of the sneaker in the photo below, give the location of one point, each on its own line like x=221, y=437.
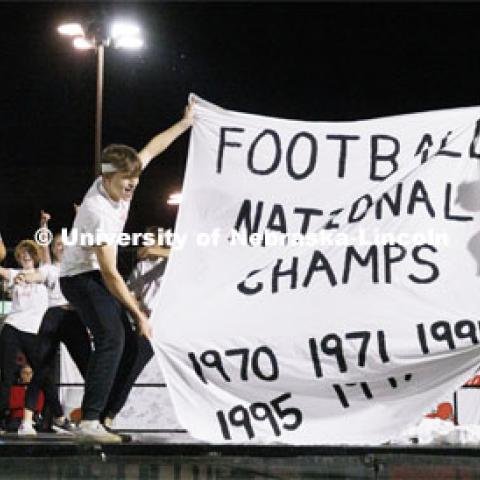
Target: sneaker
x=64, y=426
x=93, y=431
x=126, y=438
x=26, y=430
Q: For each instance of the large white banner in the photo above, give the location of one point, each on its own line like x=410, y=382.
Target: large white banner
x=357, y=322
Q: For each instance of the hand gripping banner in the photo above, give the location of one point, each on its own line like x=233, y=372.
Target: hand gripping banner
x=325, y=285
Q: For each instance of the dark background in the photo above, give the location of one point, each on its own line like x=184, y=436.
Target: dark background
x=311, y=61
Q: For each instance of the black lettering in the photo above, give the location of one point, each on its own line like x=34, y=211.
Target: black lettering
x=312, y=343
x=317, y=264
x=331, y=225
x=393, y=382
x=447, y=153
x=224, y=143
x=343, y=150
x=421, y=261
x=277, y=221
x=419, y=194
x=313, y=155
x=472, y=152
x=376, y=157
x=390, y=259
x=244, y=219
x=278, y=152
x=442, y=331
x=277, y=273
x=341, y=395
x=422, y=338
x=394, y=205
x=307, y=214
x=353, y=211
x=371, y=256
x=243, y=288
x=257, y=365
x=423, y=147
x=448, y=202
x=366, y=390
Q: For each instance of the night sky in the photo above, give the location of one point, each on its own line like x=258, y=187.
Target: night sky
x=311, y=61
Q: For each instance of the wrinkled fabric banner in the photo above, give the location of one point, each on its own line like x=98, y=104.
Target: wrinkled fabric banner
x=324, y=284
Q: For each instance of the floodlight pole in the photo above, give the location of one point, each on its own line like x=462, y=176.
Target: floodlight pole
x=100, y=50
x=96, y=36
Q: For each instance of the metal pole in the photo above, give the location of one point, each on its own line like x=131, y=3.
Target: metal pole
x=98, y=110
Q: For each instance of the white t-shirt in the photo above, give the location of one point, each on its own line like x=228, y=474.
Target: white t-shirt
x=98, y=214
x=146, y=279
x=55, y=295
x=29, y=302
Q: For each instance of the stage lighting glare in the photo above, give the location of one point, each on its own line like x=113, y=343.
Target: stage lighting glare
x=71, y=29
x=130, y=43
x=124, y=29
x=81, y=43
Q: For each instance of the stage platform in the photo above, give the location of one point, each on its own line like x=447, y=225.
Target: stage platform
x=161, y=457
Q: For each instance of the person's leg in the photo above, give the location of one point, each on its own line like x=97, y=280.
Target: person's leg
x=47, y=344
x=101, y=313
x=34, y=347
x=9, y=348
x=74, y=335
x=63, y=325
x=138, y=352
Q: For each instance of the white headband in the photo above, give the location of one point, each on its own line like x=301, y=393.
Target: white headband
x=108, y=168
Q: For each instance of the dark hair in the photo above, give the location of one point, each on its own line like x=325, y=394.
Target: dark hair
x=31, y=247
x=124, y=158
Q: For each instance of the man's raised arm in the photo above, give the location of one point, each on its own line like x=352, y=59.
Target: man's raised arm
x=160, y=142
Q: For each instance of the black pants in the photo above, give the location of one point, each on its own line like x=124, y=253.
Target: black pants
x=11, y=342
x=58, y=325
x=115, y=342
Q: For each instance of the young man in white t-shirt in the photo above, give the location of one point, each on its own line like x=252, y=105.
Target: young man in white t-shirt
x=91, y=283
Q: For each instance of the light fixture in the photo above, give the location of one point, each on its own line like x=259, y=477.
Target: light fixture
x=97, y=35
x=131, y=43
x=126, y=35
x=81, y=43
x=71, y=29
x=124, y=29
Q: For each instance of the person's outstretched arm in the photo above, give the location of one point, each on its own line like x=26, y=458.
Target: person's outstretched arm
x=161, y=142
x=45, y=249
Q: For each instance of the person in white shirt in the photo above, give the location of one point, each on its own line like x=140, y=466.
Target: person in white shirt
x=60, y=323
x=21, y=326
x=91, y=282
